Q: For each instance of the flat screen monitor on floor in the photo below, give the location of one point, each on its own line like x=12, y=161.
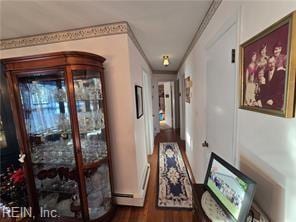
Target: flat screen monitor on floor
x=232, y=190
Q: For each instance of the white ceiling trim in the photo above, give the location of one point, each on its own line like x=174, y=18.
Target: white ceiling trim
x=137, y=44
x=206, y=20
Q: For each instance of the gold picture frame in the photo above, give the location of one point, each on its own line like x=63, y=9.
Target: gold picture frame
x=268, y=70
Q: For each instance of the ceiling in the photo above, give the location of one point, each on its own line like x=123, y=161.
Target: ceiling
x=161, y=27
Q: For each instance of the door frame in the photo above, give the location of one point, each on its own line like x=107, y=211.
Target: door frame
x=182, y=109
x=233, y=20
x=171, y=101
x=148, y=115
x=177, y=104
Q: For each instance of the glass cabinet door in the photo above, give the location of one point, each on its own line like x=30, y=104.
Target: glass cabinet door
x=98, y=191
x=89, y=106
x=3, y=143
x=46, y=111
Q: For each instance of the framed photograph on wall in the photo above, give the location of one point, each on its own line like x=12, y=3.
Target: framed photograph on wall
x=139, y=101
x=188, y=84
x=268, y=69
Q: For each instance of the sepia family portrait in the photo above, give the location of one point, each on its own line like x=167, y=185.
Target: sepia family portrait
x=265, y=70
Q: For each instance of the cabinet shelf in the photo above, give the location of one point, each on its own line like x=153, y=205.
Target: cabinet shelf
x=83, y=132
x=57, y=191
x=89, y=100
x=60, y=164
x=95, y=164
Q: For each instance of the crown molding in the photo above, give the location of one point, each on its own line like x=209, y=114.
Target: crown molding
x=137, y=44
x=168, y=72
x=206, y=20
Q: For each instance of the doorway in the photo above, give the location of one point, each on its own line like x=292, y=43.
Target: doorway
x=165, y=108
x=221, y=91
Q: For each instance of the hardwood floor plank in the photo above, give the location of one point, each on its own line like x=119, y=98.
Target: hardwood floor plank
x=150, y=212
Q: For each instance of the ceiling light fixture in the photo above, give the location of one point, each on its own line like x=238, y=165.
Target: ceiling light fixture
x=166, y=60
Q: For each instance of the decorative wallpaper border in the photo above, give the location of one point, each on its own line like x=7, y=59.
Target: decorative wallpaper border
x=68, y=35
x=206, y=20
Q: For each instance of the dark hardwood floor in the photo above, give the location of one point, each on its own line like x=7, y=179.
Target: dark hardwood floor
x=150, y=212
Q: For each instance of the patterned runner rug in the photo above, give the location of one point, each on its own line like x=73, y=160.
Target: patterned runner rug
x=174, y=189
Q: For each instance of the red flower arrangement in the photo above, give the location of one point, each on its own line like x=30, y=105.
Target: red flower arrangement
x=13, y=187
x=18, y=176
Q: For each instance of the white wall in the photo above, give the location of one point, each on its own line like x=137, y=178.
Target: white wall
x=137, y=65
x=267, y=144
x=156, y=78
x=128, y=156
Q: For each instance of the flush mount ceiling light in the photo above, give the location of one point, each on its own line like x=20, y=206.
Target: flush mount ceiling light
x=165, y=61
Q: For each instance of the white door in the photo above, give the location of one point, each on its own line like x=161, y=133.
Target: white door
x=221, y=91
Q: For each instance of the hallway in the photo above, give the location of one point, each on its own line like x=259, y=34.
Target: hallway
x=96, y=95
x=163, y=125
x=150, y=212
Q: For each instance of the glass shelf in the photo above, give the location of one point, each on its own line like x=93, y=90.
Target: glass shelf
x=58, y=164
x=57, y=191
x=89, y=100
x=96, y=164
x=54, y=152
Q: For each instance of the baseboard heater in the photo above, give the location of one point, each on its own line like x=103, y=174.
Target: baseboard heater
x=123, y=195
x=131, y=195
x=145, y=180
x=136, y=199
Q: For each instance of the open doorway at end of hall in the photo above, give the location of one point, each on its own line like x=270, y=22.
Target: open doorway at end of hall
x=165, y=110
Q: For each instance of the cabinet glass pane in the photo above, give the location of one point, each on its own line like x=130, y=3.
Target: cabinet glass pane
x=98, y=191
x=89, y=105
x=3, y=143
x=45, y=107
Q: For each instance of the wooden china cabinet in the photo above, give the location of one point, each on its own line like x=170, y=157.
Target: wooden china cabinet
x=59, y=108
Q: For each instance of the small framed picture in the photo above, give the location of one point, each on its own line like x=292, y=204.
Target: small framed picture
x=268, y=69
x=188, y=84
x=139, y=101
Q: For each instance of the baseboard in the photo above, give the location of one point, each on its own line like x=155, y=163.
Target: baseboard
x=138, y=199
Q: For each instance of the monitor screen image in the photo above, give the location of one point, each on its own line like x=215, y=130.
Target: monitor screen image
x=232, y=190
